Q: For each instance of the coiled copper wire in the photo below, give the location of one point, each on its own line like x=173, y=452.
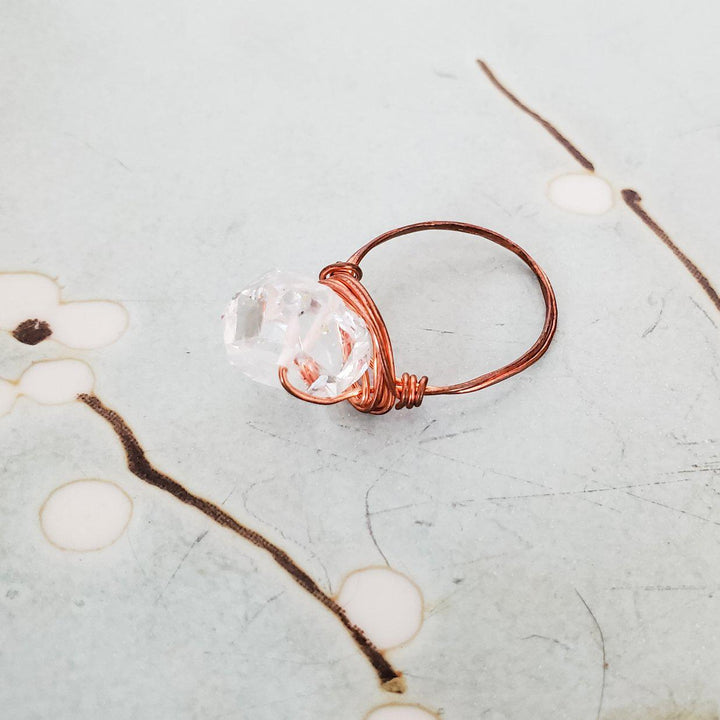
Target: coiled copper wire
x=380, y=389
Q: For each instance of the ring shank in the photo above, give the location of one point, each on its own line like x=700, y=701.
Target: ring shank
x=551, y=313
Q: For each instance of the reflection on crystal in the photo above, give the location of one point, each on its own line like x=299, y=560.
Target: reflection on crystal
x=284, y=319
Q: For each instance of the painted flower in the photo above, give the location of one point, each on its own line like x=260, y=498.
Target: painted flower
x=32, y=310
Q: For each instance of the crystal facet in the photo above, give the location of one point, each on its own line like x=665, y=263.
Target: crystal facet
x=284, y=319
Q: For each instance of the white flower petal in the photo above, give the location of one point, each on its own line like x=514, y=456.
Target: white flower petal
x=581, y=193
x=89, y=324
x=387, y=605
x=85, y=515
x=53, y=382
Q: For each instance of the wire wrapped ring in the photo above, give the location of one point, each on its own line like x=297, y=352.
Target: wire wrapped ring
x=379, y=389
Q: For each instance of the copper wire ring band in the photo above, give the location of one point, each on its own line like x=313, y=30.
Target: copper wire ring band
x=380, y=389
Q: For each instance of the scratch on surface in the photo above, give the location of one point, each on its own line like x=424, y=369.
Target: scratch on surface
x=469, y=431
x=446, y=601
x=439, y=332
x=555, y=641
x=680, y=441
x=248, y=509
x=229, y=495
x=327, y=453
x=586, y=491
x=134, y=554
x=525, y=480
x=194, y=544
x=514, y=533
x=397, y=508
x=674, y=509
x=262, y=608
x=703, y=311
x=105, y=155
x=604, y=656
x=368, y=522
x=662, y=588
x=654, y=325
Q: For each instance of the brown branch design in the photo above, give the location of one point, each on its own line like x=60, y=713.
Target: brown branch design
x=634, y=202
x=537, y=117
x=631, y=197
x=138, y=464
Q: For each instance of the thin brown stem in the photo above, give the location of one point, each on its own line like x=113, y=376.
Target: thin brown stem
x=537, y=117
x=138, y=464
x=634, y=202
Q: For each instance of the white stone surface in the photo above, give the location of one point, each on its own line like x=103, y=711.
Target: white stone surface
x=155, y=154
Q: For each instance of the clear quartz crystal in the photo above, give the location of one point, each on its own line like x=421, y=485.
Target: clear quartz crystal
x=284, y=319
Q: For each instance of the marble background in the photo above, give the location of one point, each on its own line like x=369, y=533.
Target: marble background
x=163, y=154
